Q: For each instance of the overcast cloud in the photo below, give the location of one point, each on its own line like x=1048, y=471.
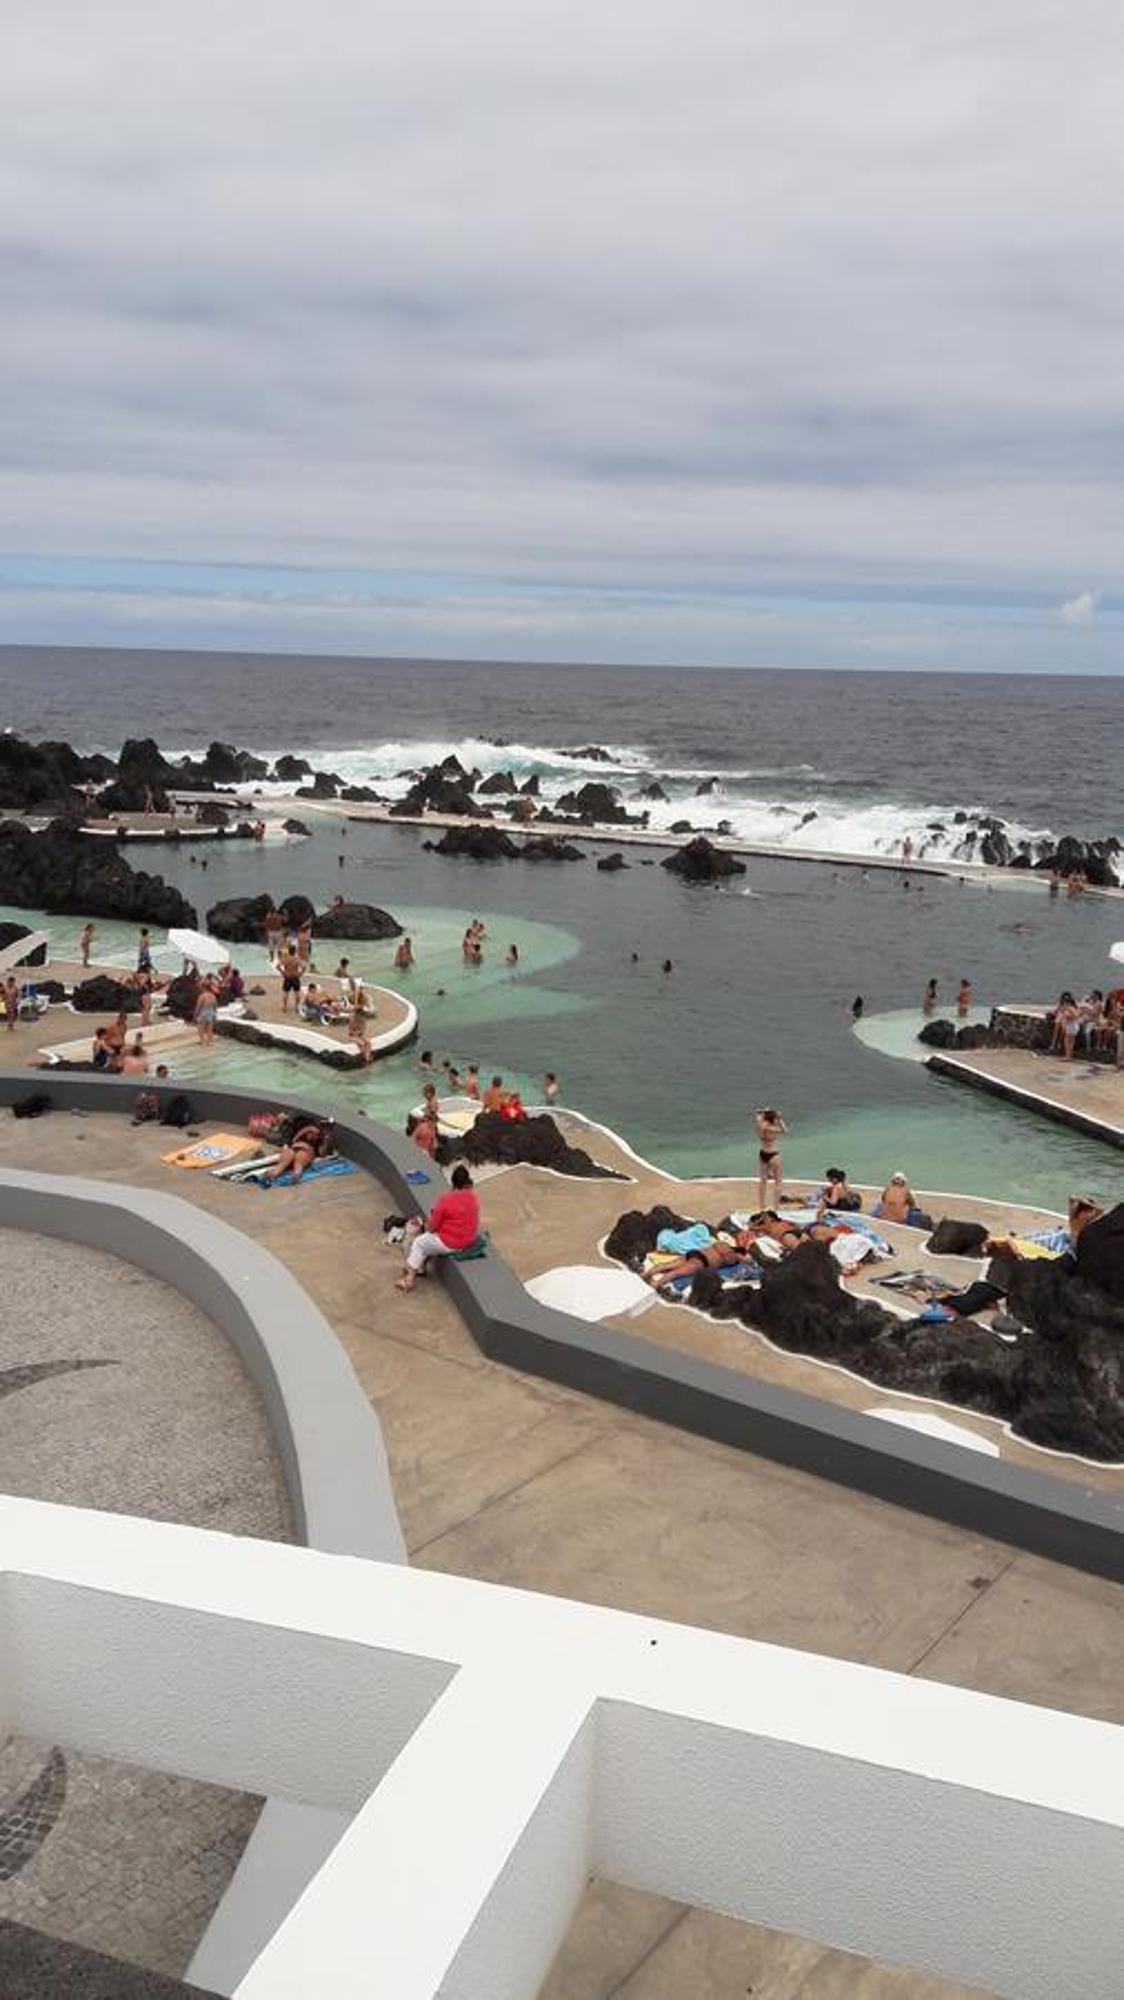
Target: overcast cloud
x=679, y=331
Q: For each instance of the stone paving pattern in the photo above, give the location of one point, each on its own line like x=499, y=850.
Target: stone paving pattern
x=117, y=1393
x=501, y=1476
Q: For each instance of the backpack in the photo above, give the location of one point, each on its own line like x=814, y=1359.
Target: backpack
x=178, y=1112
x=33, y=1106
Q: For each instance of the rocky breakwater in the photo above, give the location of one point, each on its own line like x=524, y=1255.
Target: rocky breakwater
x=535, y=1142
x=597, y=804
x=60, y=870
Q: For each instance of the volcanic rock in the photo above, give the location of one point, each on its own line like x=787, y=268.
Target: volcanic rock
x=475, y=843
x=290, y=770
x=143, y=775
x=708, y=786
x=61, y=869
x=103, y=995
x=356, y=921
x=240, y=919
x=590, y=754
x=297, y=912
x=325, y=785
x=546, y=847
x=681, y=826
x=224, y=765
x=212, y=813
x=500, y=781
x=296, y=826
x=611, y=864
x=701, y=861
x=530, y=787
x=41, y=777
x=361, y=795
x=444, y=788
x=597, y=803
x=653, y=791
x=533, y=1142
x=938, y=1034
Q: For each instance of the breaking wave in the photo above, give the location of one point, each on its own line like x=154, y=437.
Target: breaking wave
x=794, y=805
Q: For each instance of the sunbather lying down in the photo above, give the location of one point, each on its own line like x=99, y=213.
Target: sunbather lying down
x=713, y=1257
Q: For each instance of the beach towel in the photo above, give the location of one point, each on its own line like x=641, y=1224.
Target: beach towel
x=417, y=1177
x=731, y=1274
x=320, y=1170
x=211, y=1152
x=695, y=1237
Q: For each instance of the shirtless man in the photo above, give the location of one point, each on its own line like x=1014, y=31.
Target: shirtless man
x=134, y=1061
x=771, y=1129
x=896, y=1200
x=713, y=1257
x=290, y=969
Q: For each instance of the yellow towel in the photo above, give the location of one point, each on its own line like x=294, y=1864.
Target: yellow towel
x=212, y=1152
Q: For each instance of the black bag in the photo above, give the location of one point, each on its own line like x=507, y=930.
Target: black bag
x=951, y=1238
x=178, y=1112
x=33, y=1106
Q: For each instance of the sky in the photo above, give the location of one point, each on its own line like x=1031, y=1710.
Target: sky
x=712, y=332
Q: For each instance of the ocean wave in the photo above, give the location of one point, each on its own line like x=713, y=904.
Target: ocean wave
x=794, y=805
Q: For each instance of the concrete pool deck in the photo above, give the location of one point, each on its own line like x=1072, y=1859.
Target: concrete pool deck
x=69, y=1035
x=1089, y=1097
x=540, y=1221
x=501, y=1476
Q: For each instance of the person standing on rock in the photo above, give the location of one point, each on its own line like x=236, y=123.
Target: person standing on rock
x=85, y=943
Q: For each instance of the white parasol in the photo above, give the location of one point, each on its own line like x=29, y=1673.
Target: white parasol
x=1116, y=951
x=198, y=946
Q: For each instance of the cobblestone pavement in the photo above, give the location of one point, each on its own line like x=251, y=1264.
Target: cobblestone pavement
x=115, y=1392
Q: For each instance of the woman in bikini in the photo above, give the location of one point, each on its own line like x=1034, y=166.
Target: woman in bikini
x=771, y=1129
x=713, y=1257
x=311, y=1141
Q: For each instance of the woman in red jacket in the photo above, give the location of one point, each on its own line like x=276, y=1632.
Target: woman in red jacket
x=454, y=1224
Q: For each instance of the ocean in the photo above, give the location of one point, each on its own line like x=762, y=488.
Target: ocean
x=758, y=1007
x=870, y=756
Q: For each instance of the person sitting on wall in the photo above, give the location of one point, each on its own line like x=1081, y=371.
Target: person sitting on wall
x=453, y=1225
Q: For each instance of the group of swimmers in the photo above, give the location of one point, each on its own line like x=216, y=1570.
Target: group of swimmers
x=931, y=995
x=472, y=945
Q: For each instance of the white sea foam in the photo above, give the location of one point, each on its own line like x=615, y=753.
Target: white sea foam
x=792, y=805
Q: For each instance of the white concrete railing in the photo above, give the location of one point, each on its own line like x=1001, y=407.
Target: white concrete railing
x=496, y=1747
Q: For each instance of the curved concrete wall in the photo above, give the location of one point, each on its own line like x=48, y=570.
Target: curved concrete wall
x=1052, y=1517
x=325, y=1429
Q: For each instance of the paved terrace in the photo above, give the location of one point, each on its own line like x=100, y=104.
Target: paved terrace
x=1089, y=1096
x=116, y=1393
x=515, y=1480
x=72, y=1034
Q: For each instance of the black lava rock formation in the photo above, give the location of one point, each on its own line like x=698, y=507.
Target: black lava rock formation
x=1060, y=1384
x=239, y=919
x=290, y=770
x=546, y=847
x=598, y=805
x=475, y=843
x=500, y=781
x=63, y=870
x=530, y=1142
x=611, y=864
x=296, y=826
x=103, y=995
x=357, y=921
x=41, y=777
x=701, y=861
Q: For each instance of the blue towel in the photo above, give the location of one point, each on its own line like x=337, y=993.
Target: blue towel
x=732, y=1274
x=417, y=1177
x=696, y=1236
x=320, y=1170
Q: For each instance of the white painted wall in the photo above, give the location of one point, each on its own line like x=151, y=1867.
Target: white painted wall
x=496, y=1746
